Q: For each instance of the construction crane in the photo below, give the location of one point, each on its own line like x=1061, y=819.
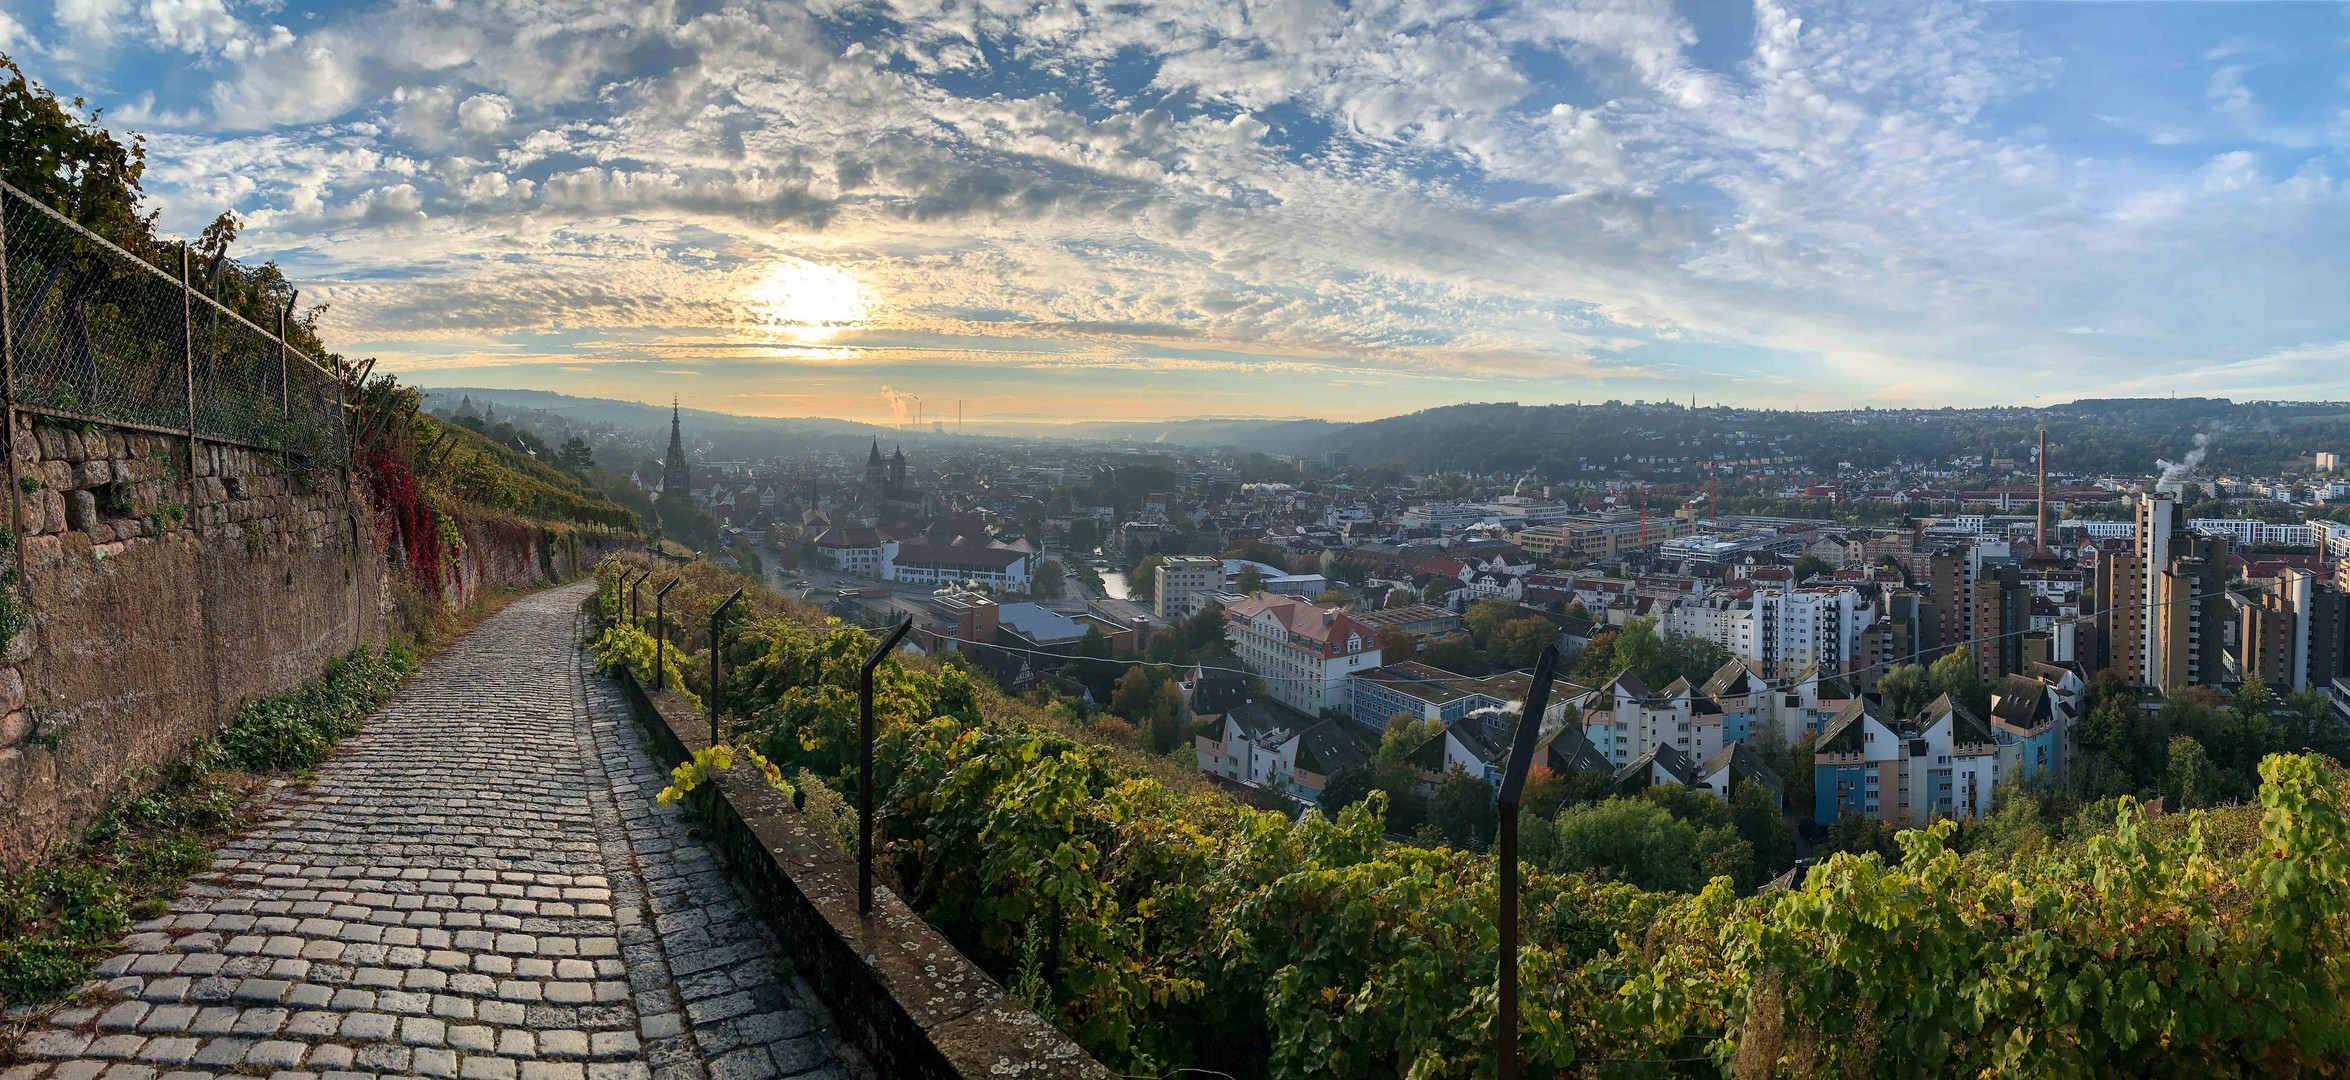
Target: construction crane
x=1713, y=499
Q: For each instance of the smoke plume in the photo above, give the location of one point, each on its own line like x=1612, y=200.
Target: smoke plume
x=901, y=405
x=2174, y=473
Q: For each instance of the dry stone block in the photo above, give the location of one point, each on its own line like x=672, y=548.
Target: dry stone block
x=11, y=691
x=57, y=474
x=31, y=513
x=94, y=472
x=14, y=727
x=43, y=553
x=52, y=511
x=81, y=510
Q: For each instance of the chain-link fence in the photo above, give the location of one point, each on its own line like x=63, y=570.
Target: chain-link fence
x=95, y=333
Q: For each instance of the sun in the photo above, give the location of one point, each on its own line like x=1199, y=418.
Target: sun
x=808, y=301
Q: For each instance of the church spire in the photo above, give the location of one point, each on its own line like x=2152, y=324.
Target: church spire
x=675, y=477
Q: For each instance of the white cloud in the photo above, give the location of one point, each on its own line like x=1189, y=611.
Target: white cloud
x=1838, y=196
x=484, y=114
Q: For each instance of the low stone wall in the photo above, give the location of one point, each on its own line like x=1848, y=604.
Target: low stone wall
x=915, y=1005
x=501, y=553
x=161, y=590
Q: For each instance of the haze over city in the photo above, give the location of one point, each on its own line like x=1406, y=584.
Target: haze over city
x=1308, y=209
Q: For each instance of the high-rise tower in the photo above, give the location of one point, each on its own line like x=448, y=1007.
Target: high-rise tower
x=676, y=478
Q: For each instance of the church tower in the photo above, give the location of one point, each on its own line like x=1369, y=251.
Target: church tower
x=675, y=476
x=876, y=471
x=897, y=468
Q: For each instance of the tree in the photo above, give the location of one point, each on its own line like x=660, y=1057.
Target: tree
x=2106, y=761
x=1861, y=834
x=1754, y=812
x=1396, y=645
x=1640, y=651
x=1330, y=598
x=1576, y=610
x=686, y=523
x=1345, y=788
x=1165, y=723
x=1795, y=766
x=71, y=164
x=1629, y=840
x=2191, y=778
x=1520, y=641
x=1485, y=617
x=1142, y=582
x=1133, y=694
x=1089, y=664
x=1048, y=580
x=1954, y=674
x=1404, y=734
x=1249, y=582
x=1465, y=809
x=1696, y=806
x=576, y=457
x=1458, y=656
x=1904, y=690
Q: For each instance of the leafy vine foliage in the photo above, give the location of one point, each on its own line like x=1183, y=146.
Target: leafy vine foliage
x=1166, y=930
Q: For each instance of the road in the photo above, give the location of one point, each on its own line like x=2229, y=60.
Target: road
x=477, y=886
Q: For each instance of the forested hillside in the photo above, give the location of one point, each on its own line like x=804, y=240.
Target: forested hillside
x=1561, y=441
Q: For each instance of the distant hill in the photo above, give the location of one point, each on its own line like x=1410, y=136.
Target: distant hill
x=2110, y=435
x=641, y=415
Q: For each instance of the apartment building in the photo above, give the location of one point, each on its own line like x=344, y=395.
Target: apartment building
x=2245, y=533
x=1183, y=583
x=1603, y=535
x=1942, y=763
x=2296, y=636
x=1305, y=654
x=1784, y=632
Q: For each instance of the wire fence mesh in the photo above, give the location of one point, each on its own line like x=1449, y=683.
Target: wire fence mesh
x=96, y=333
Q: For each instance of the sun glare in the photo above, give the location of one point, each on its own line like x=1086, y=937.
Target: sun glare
x=807, y=301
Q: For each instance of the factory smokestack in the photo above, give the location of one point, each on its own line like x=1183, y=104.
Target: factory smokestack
x=2041, y=537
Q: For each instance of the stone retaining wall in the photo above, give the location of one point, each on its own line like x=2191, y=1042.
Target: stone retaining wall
x=160, y=590
x=914, y=1004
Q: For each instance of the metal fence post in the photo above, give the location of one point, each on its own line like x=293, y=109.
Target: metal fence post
x=8, y=380
x=661, y=632
x=188, y=362
x=718, y=687
x=1513, y=786
x=636, y=607
x=285, y=396
x=865, y=765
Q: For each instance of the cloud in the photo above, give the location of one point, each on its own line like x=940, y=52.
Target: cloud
x=1425, y=190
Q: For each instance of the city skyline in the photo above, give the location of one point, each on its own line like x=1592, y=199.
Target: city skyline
x=1204, y=210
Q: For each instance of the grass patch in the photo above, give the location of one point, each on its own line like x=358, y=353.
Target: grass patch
x=64, y=914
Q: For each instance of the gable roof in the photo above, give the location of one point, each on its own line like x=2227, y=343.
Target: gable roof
x=1630, y=684
x=1326, y=748
x=1217, y=691
x=1732, y=679
x=1842, y=733
x=1637, y=773
x=1742, y=763
x=1966, y=729
x=1577, y=756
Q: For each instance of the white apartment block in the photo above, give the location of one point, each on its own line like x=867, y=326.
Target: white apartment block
x=1785, y=632
x=1304, y=653
x=1182, y=583
x=2243, y=533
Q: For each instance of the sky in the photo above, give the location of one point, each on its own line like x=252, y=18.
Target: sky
x=1080, y=211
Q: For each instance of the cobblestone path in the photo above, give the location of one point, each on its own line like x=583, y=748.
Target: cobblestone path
x=477, y=886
